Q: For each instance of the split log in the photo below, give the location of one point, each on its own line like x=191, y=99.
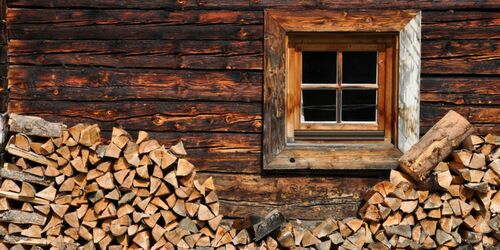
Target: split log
x=435, y=145
x=31, y=125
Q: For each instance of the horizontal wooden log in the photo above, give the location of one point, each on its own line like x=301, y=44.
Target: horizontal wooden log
x=461, y=85
x=134, y=32
x=460, y=99
x=480, y=129
x=439, y=57
x=153, y=116
x=431, y=113
x=95, y=84
x=84, y=17
x=460, y=25
x=24, y=177
x=17, y=197
x=245, y=4
x=21, y=240
x=21, y=217
x=303, y=197
x=484, y=118
x=140, y=54
x=461, y=57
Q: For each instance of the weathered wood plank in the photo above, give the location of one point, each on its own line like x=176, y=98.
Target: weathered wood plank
x=152, y=116
x=431, y=113
x=246, y=4
x=461, y=90
x=460, y=99
x=83, y=17
x=484, y=118
x=409, y=64
x=219, y=54
x=461, y=57
x=302, y=197
x=461, y=25
x=136, y=32
x=95, y=84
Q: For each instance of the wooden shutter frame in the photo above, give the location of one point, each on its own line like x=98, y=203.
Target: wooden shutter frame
x=277, y=154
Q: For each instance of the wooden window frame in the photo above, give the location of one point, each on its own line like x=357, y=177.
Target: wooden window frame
x=383, y=44
x=280, y=153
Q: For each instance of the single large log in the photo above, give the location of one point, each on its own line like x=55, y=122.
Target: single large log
x=21, y=217
x=436, y=145
x=24, y=177
x=31, y=125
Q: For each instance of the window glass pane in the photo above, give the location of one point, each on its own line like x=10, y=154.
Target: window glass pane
x=359, y=67
x=319, y=67
x=359, y=105
x=319, y=105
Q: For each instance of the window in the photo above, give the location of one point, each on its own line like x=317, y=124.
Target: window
x=341, y=88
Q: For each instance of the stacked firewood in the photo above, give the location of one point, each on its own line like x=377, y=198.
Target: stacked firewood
x=66, y=188
x=75, y=191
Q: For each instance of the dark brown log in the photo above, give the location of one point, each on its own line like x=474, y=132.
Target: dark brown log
x=134, y=32
x=436, y=145
x=240, y=195
x=460, y=25
x=244, y=4
x=24, y=177
x=94, y=84
x=140, y=54
x=483, y=117
x=159, y=116
x=82, y=17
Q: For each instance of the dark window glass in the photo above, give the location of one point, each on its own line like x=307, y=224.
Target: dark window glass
x=319, y=67
x=319, y=105
x=359, y=67
x=359, y=105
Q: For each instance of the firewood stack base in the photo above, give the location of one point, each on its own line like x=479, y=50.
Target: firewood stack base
x=74, y=191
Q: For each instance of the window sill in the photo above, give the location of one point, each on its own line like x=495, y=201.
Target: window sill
x=337, y=157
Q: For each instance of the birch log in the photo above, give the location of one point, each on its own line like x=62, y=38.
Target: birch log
x=434, y=146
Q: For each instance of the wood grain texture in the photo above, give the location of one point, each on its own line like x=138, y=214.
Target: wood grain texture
x=136, y=32
x=461, y=90
x=274, y=138
x=475, y=25
x=88, y=17
x=97, y=84
x=251, y=4
x=409, y=84
x=461, y=57
x=484, y=118
x=152, y=116
x=169, y=54
x=303, y=197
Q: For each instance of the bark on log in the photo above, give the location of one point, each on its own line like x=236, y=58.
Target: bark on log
x=435, y=145
x=37, y=126
x=24, y=177
x=21, y=217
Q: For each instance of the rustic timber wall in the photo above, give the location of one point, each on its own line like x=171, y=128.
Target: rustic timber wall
x=193, y=70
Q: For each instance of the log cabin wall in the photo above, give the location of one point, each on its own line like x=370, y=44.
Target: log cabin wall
x=193, y=70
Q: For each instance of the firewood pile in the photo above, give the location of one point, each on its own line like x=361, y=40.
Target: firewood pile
x=66, y=188
x=75, y=191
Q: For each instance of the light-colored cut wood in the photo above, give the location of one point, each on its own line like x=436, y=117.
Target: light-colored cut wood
x=435, y=145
